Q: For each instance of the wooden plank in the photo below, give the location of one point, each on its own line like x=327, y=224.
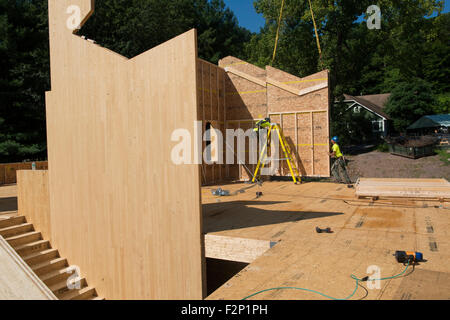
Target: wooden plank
x=17, y=280
x=120, y=208
x=413, y=188
x=235, y=249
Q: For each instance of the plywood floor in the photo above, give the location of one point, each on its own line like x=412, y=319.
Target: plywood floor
x=365, y=234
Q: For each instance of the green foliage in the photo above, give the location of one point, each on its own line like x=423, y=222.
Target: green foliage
x=24, y=62
x=130, y=27
x=409, y=102
x=444, y=155
x=361, y=61
x=351, y=128
x=383, y=147
x=409, y=46
x=442, y=105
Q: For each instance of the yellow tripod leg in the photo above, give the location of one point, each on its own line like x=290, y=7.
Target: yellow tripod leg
x=261, y=161
x=285, y=148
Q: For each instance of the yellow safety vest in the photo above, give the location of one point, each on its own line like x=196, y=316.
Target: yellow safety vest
x=337, y=150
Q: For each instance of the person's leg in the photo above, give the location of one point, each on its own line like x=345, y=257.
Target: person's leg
x=335, y=171
x=344, y=171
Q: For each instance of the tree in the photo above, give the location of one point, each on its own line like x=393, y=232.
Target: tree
x=24, y=79
x=130, y=27
x=409, y=102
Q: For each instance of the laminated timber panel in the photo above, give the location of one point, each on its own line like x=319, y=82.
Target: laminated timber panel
x=303, y=105
x=8, y=170
x=245, y=90
x=120, y=208
x=211, y=108
x=33, y=200
x=245, y=175
x=403, y=188
x=233, y=170
x=17, y=279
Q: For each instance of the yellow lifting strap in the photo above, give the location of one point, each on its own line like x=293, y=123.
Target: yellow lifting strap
x=278, y=32
x=279, y=26
x=315, y=29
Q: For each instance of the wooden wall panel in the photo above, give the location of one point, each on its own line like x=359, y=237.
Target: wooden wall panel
x=246, y=100
x=211, y=105
x=33, y=199
x=120, y=208
x=310, y=106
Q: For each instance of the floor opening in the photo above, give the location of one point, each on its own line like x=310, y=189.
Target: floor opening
x=218, y=272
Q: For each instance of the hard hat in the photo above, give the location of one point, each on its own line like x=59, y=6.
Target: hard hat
x=335, y=139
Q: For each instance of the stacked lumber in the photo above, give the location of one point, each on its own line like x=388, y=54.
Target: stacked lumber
x=403, y=188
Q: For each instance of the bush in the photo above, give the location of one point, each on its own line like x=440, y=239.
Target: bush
x=444, y=155
x=409, y=102
x=383, y=147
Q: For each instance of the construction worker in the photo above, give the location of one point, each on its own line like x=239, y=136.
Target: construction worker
x=339, y=163
x=263, y=124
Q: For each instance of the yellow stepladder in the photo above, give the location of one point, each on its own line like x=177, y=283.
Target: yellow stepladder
x=286, y=151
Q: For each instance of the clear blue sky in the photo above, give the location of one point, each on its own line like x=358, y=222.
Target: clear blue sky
x=253, y=21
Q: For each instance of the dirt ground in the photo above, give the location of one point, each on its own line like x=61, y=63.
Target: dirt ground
x=377, y=164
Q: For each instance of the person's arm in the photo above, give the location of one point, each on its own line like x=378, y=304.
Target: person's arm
x=333, y=153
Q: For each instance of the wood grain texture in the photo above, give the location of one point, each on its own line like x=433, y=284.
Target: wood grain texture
x=235, y=249
x=403, y=188
x=211, y=109
x=307, y=100
x=17, y=280
x=120, y=208
x=365, y=234
x=33, y=200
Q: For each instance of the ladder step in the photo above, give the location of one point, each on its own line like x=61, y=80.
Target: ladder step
x=41, y=257
x=49, y=266
x=16, y=230
x=33, y=247
x=12, y=222
x=20, y=240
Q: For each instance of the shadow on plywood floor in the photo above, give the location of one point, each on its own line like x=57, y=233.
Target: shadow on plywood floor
x=239, y=215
